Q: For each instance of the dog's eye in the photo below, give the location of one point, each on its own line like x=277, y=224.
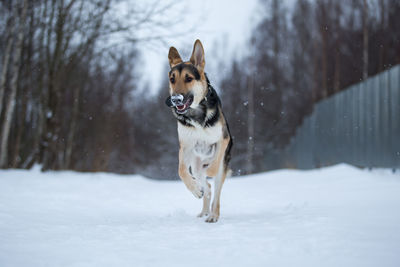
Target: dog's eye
x=172, y=80
x=188, y=79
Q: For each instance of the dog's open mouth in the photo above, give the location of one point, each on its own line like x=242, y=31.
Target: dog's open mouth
x=183, y=107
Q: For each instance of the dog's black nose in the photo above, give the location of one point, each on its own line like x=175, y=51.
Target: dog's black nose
x=177, y=100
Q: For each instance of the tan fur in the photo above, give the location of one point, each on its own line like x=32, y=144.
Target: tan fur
x=218, y=168
x=190, y=138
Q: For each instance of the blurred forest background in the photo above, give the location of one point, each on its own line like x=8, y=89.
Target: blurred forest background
x=69, y=81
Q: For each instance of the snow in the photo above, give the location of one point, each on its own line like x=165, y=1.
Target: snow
x=337, y=216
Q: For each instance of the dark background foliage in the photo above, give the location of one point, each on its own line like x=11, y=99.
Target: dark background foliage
x=68, y=93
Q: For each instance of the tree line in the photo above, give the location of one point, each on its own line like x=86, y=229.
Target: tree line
x=68, y=86
x=297, y=56
x=67, y=81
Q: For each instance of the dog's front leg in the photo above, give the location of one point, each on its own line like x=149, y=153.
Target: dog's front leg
x=198, y=171
x=191, y=183
x=206, y=200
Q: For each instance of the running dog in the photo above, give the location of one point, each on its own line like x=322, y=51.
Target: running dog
x=204, y=139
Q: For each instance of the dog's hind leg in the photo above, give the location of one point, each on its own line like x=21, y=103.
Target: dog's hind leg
x=219, y=170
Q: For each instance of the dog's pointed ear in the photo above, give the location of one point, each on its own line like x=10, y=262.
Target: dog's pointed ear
x=197, y=57
x=174, y=57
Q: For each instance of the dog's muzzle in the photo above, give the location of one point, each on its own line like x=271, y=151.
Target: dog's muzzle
x=178, y=101
x=174, y=100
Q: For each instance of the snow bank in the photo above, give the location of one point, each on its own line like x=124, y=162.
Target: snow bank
x=337, y=216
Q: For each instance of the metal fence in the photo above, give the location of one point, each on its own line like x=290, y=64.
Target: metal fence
x=360, y=126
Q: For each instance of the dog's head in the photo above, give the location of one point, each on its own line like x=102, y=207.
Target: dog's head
x=187, y=81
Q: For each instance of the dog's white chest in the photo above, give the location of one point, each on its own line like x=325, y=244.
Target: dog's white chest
x=193, y=135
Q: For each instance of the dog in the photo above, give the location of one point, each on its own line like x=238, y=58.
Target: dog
x=205, y=142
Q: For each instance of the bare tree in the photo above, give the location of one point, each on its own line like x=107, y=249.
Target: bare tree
x=250, y=122
x=365, y=39
x=337, y=44
x=9, y=32
x=66, y=45
x=327, y=54
x=323, y=31
x=9, y=110
x=25, y=90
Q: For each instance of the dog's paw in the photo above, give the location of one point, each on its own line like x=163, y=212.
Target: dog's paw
x=213, y=218
x=203, y=213
x=197, y=191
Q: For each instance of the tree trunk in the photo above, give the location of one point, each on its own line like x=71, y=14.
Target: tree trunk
x=365, y=39
x=51, y=135
x=336, y=75
x=6, y=58
x=381, y=60
x=324, y=63
x=315, y=86
x=71, y=133
x=336, y=79
x=25, y=92
x=250, y=124
x=13, y=89
x=16, y=158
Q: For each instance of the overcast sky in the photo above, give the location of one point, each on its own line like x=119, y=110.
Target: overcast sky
x=222, y=22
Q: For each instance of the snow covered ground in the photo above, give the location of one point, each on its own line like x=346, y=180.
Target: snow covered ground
x=337, y=216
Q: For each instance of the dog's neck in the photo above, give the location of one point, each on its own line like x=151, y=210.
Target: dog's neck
x=209, y=92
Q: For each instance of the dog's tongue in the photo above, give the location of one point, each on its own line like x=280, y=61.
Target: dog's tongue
x=181, y=107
